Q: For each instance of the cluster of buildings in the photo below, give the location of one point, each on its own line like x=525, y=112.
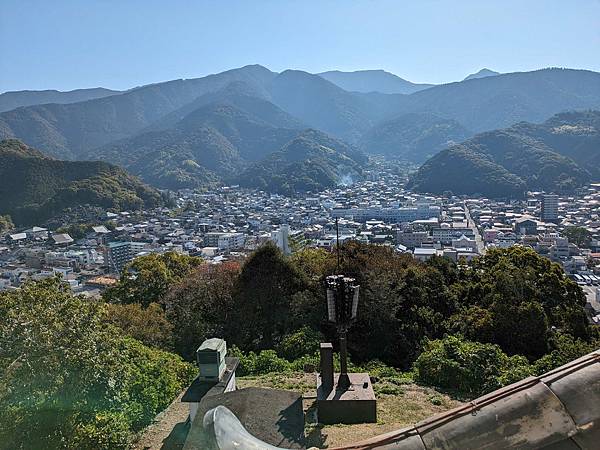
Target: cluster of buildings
x=230, y=222
x=566, y=229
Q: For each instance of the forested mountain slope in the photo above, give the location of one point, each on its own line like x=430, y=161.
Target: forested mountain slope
x=34, y=187
x=560, y=154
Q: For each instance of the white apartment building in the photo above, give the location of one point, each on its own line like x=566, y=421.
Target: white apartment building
x=390, y=215
x=225, y=241
x=281, y=238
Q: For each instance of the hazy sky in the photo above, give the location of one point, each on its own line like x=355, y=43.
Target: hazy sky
x=119, y=43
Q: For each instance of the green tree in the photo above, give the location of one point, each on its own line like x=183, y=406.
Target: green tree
x=578, y=235
x=148, y=325
x=148, y=278
x=69, y=380
x=302, y=342
x=402, y=302
x=263, y=295
x=513, y=297
x=202, y=306
x=76, y=230
x=565, y=348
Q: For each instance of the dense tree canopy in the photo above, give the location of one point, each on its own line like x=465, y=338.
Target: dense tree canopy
x=264, y=293
x=513, y=297
x=69, y=380
x=148, y=325
x=73, y=372
x=202, y=306
x=148, y=278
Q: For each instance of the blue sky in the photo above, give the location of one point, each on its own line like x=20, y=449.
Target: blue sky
x=119, y=43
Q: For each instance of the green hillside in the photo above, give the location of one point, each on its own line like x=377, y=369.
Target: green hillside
x=312, y=161
x=560, y=154
x=413, y=137
x=213, y=141
x=34, y=187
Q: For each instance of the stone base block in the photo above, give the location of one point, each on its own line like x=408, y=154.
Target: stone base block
x=357, y=404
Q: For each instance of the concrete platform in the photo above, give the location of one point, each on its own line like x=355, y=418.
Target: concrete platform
x=271, y=415
x=357, y=404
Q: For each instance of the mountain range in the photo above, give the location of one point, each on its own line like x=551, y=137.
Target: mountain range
x=372, y=81
x=559, y=155
x=35, y=187
x=224, y=134
x=187, y=133
x=16, y=99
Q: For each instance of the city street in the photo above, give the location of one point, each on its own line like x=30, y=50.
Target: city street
x=478, y=239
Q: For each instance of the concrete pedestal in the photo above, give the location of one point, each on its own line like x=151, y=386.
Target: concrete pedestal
x=356, y=404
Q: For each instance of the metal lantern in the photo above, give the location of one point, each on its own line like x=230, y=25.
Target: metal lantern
x=331, y=304
x=342, y=306
x=342, y=300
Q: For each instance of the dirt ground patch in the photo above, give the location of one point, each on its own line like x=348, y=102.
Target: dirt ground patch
x=169, y=430
x=400, y=403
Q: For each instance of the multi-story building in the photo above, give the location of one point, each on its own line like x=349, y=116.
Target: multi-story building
x=549, y=208
x=445, y=235
x=117, y=255
x=464, y=242
x=412, y=239
x=526, y=226
x=281, y=238
x=225, y=241
x=390, y=215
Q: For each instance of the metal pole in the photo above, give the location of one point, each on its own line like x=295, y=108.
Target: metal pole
x=337, y=241
x=344, y=380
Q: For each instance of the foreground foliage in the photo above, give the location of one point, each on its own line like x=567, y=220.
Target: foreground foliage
x=148, y=278
x=70, y=380
x=469, y=368
x=512, y=298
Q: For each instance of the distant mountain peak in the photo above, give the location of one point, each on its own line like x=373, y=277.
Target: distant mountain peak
x=373, y=80
x=482, y=74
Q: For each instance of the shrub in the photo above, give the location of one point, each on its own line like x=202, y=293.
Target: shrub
x=299, y=364
x=566, y=349
x=378, y=369
x=267, y=361
x=436, y=400
x=302, y=342
x=262, y=363
x=470, y=368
